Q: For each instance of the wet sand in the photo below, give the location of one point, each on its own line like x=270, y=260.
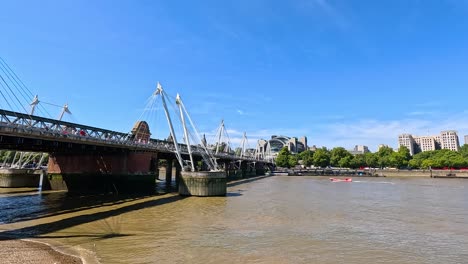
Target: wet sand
x=15, y=251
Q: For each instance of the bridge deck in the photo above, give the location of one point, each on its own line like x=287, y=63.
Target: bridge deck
x=21, y=125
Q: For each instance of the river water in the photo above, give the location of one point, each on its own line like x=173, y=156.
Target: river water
x=276, y=219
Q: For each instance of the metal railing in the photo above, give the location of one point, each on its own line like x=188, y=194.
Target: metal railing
x=14, y=123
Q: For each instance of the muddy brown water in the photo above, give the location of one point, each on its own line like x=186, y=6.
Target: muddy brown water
x=276, y=219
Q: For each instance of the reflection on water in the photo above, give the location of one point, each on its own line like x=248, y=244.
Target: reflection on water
x=271, y=220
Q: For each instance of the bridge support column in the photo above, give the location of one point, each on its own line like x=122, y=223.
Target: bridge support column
x=154, y=167
x=259, y=168
x=178, y=169
x=15, y=178
x=169, y=172
x=227, y=168
x=101, y=172
x=203, y=183
x=243, y=168
x=251, y=169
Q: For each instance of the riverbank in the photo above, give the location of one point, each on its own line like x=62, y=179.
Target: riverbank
x=377, y=173
x=16, y=251
x=422, y=173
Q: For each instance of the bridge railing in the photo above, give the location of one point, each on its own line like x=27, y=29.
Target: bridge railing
x=15, y=123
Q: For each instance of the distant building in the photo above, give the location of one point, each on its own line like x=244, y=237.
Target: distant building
x=313, y=148
x=425, y=143
x=446, y=140
x=382, y=146
x=141, y=132
x=276, y=143
x=466, y=139
x=359, y=149
x=449, y=140
x=303, y=142
x=408, y=141
x=297, y=145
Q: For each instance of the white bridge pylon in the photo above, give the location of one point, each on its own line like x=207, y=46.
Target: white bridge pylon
x=244, y=145
x=223, y=142
x=35, y=102
x=190, y=133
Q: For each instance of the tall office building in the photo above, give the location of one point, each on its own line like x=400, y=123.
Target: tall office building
x=425, y=143
x=449, y=140
x=466, y=139
x=408, y=141
x=446, y=140
x=303, y=141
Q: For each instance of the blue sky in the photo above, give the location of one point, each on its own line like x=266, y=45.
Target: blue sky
x=339, y=72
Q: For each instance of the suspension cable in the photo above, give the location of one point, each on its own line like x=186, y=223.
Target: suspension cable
x=9, y=88
x=30, y=93
x=13, y=81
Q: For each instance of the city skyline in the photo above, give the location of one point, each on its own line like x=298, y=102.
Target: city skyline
x=340, y=73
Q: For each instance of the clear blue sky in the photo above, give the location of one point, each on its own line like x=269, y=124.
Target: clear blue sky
x=337, y=71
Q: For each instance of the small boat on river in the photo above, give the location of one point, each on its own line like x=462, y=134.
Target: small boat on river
x=341, y=180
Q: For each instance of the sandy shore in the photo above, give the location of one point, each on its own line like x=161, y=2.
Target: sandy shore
x=25, y=252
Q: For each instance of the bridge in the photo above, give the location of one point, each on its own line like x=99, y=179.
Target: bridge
x=85, y=158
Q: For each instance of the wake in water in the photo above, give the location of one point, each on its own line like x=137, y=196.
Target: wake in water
x=375, y=182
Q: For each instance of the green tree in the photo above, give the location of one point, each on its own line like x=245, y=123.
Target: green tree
x=359, y=161
x=384, y=151
x=346, y=162
x=427, y=163
x=238, y=151
x=336, y=154
x=321, y=157
x=417, y=160
x=372, y=160
x=384, y=155
x=464, y=151
x=464, y=154
x=292, y=161
x=405, y=152
x=448, y=158
x=400, y=158
x=442, y=158
x=307, y=157
x=282, y=160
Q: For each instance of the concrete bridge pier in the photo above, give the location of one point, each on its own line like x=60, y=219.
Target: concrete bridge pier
x=243, y=168
x=203, y=183
x=17, y=178
x=259, y=168
x=169, y=172
x=154, y=167
x=178, y=170
x=229, y=170
x=226, y=168
x=250, y=169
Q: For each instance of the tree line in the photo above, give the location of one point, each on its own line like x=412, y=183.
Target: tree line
x=384, y=157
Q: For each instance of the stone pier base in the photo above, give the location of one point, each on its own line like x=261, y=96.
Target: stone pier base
x=203, y=183
x=17, y=178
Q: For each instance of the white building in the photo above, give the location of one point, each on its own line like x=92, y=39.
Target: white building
x=408, y=141
x=449, y=140
x=446, y=140
x=425, y=143
x=359, y=149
